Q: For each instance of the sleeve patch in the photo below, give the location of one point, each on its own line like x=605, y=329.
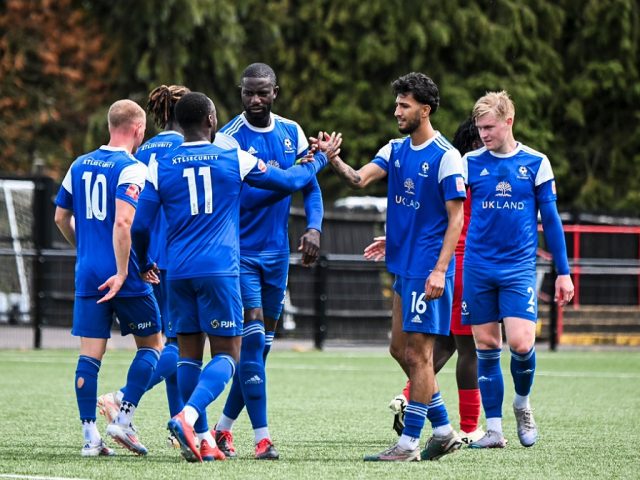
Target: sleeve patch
x=553, y=186
x=133, y=191
x=262, y=166
x=460, y=184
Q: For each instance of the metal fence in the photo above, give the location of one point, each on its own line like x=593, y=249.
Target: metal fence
x=343, y=297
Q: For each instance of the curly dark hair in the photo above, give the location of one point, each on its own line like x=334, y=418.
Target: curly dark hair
x=465, y=136
x=423, y=89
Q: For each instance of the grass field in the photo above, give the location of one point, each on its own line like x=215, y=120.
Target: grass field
x=328, y=409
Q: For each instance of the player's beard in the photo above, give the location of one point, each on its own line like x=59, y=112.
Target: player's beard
x=259, y=118
x=411, y=125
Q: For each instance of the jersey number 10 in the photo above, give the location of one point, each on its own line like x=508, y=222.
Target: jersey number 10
x=190, y=175
x=96, y=196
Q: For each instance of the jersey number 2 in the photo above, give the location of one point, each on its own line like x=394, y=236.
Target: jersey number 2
x=190, y=175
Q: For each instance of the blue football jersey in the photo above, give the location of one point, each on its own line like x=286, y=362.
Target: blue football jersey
x=150, y=151
x=421, y=179
x=506, y=190
x=265, y=230
x=199, y=186
x=90, y=189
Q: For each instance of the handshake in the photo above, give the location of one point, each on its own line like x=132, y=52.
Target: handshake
x=329, y=144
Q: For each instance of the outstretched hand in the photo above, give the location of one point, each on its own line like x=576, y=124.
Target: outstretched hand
x=376, y=251
x=329, y=144
x=113, y=284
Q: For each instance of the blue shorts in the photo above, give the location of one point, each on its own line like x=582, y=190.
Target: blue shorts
x=160, y=292
x=418, y=315
x=137, y=315
x=263, y=281
x=209, y=304
x=489, y=295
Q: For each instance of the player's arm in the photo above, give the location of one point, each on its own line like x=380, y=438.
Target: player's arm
x=314, y=209
x=64, y=210
x=121, y=248
x=148, y=208
x=545, y=191
x=451, y=185
x=361, y=178
x=554, y=238
x=256, y=198
x=64, y=221
x=434, y=286
x=258, y=174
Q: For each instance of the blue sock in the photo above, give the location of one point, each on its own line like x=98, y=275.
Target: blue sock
x=437, y=413
x=140, y=371
x=189, y=372
x=252, y=374
x=235, y=401
x=414, y=417
x=268, y=341
x=213, y=380
x=167, y=365
x=86, y=384
x=174, y=398
x=523, y=368
x=490, y=382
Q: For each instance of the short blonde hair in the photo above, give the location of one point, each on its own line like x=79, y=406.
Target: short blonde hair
x=498, y=103
x=125, y=112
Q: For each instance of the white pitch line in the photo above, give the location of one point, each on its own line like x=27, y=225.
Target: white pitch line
x=34, y=477
x=273, y=365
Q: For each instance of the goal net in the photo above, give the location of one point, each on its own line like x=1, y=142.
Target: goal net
x=16, y=227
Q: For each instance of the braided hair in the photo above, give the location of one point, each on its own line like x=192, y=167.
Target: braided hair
x=162, y=101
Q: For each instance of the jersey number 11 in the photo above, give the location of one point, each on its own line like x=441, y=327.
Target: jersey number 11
x=190, y=175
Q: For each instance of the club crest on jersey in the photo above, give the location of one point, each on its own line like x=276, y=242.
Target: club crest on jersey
x=397, y=163
x=262, y=166
x=464, y=308
x=523, y=173
x=252, y=151
x=273, y=163
x=409, y=186
x=503, y=189
x=133, y=191
x=424, y=170
x=288, y=145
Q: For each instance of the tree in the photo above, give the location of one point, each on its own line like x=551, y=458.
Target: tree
x=54, y=70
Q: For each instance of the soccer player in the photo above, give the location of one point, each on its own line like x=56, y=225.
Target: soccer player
x=510, y=183
x=199, y=185
x=161, y=105
x=95, y=208
x=264, y=247
x=424, y=219
x=465, y=139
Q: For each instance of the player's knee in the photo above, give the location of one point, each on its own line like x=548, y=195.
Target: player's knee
x=521, y=346
x=414, y=358
x=397, y=353
x=252, y=346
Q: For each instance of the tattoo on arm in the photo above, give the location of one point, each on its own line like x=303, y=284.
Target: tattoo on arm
x=346, y=172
